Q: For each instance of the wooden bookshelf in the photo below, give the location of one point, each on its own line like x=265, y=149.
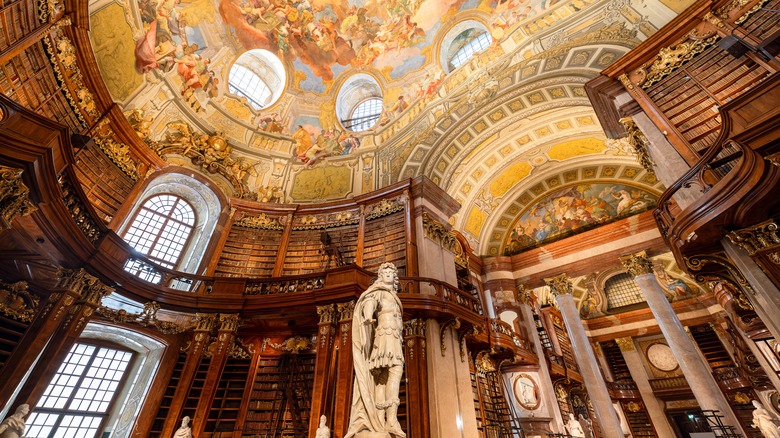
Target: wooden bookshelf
x=193, y=395
x=17, y=19
x=249, y=252
x=691, y=95
x=489, y=402
x=165, y=403
x=105, y=185
x=385, y=241
x=304, y=252
x=227, y=400
x=11, y=332
x=269, y=414
x=639, y=420
x=30, y=80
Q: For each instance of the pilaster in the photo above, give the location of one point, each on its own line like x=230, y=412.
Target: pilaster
x=321, y=398
x=343, y=377
x=204, y=324
x=219, y=350
x=418, y=421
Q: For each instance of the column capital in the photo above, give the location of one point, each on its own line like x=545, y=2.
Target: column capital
x=345, y=310
x=559, y=285
x=625, y=344
x=87, y=286
x=327, y=313
x=204, y=322
x=637, y=264
x=228, y=322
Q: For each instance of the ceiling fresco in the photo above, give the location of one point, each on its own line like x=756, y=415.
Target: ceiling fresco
x=487, y=131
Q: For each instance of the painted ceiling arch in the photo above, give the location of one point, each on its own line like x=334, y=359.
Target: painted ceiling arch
x=525, y=92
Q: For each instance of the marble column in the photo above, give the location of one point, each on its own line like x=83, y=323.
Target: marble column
x=586, y=359
x=696, y=370
x=766, y=296
x=655, y=407
x=550, y=405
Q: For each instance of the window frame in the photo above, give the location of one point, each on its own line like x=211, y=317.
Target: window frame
x=105, y=416
x=468, y=46
x=367, y=117
x=253, y=98
x=188, y=240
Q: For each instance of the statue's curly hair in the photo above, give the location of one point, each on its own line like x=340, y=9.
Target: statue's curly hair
x=390, y=265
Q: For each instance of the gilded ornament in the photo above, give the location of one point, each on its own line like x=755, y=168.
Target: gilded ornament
x=385, y=207
x=559, y=285
x=672, y=57
x=345, y=310
x=454, y=323
x=758, y=238
x=637, y=264
x=79, y=211
x=625, y=344
x=292, y=345
x=14, y=196
x=636, y=138
x=119, y=154
x=439, y=233
x=327, y=313
x=229, y=322
x=16, y=302
x=261, y=222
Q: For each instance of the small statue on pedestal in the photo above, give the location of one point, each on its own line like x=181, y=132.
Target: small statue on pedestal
x=764, y=421
x=13, y=426
x=184, y=431
x=377, y=349
x=587, y=426
x=323, y=431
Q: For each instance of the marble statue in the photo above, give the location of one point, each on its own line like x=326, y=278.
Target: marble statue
x=184, y=431
x=377, y=349
x=323, y=431
x=764, y=422
x=587, y=426
x=13, y=426
x=574, y=427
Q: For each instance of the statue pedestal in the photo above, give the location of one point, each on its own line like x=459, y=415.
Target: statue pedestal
x=373, y=435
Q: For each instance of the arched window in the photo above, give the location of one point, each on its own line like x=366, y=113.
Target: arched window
x=79, y=398
x=364, y=115
x=160, y=230
x=471, y=45
x=257, y=75
x=621, y=290
x=359, y=102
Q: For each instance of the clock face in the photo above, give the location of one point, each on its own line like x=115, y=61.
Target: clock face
x=660, y=356
x=526, y=391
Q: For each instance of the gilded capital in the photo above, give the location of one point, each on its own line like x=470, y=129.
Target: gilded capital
x=87, y=286
x=327, y=313
x=14, y=196
x=637, y=264
x=625, y=344
x=415, y=327
x=559, y=285
x=228, y=322
x=16, y=302
x=204, y=322
x=345, y=310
